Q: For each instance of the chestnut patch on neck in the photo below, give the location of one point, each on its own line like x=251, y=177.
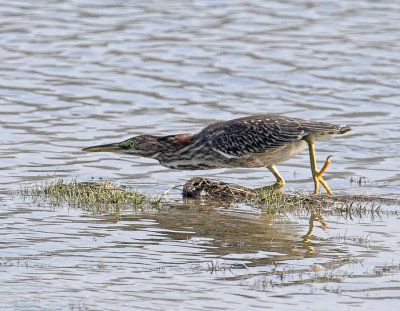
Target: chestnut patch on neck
x=181, y=140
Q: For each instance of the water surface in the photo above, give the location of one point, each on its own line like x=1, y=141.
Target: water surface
x=79, y=73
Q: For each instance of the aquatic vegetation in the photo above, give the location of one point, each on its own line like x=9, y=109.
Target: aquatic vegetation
x=88, y=195
x=203, y=193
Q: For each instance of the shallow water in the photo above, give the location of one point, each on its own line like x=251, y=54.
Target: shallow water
x=79, y=73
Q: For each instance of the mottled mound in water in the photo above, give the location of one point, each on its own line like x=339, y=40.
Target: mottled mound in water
x=199, y=187
x=206, y=188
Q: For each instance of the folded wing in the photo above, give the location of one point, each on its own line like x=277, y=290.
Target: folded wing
x=262, y=133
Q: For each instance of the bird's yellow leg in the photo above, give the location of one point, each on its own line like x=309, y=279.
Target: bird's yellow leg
x=279, y=180
x=317, y=176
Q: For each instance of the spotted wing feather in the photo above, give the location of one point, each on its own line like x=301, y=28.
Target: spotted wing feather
x=262, y=133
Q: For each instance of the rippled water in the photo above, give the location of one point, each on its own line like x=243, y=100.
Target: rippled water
x=78, y=73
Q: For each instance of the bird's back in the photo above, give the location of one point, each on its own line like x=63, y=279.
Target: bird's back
x=263, y=133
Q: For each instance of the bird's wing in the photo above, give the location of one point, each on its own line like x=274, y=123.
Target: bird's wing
x=258, y=134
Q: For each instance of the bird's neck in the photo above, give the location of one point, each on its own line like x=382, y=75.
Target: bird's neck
x=172, y=145
x=178, y=141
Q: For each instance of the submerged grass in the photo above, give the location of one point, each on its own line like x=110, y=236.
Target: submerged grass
x=88, y=195
x=346, y=206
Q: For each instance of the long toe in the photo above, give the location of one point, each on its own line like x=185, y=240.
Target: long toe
x=323, y=183
x=275, y=187
x=324, y=168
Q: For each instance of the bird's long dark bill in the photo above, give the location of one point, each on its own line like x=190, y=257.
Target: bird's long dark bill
x=108, y=147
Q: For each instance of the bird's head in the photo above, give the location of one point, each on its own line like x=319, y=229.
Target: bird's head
x=143, y=145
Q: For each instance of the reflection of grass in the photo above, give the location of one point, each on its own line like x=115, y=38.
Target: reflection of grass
x=88, y=195
x=215, y=266
x=15, y=261
x=100, y=266
x=361, y=240
x=78, y=306
x=362, y=181
x=279, y=276
x=386, y=269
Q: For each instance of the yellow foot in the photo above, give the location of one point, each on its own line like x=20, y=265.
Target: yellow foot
x=275, y=187
x=318, y=177
x=280, y=182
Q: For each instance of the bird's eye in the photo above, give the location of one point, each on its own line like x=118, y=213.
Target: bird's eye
x=128, y=144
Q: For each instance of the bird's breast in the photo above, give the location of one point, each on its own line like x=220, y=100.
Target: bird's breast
x=200, y=159
x=196, y=156
x=270, y=157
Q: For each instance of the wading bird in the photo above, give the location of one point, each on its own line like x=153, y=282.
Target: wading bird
x=254, y=141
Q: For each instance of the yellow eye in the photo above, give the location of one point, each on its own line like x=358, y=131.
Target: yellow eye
x=128, y=144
